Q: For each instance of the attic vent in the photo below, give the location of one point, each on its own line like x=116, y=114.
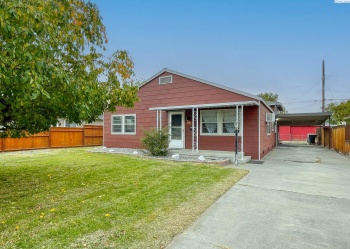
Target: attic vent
x=165, y=79
x=270, y=117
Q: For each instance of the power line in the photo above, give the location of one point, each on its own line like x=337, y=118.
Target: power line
x=315, y=100
x=305, y=92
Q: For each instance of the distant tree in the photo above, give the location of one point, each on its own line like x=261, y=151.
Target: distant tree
x=269, y=96
x=51, y=66
x=341, y=112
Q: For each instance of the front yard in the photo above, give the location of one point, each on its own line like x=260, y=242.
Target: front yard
x=72, y=198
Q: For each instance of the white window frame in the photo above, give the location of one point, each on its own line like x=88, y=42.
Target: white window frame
x=268, y=128
x=219, y=123
x=165, y=76
x=123, y=132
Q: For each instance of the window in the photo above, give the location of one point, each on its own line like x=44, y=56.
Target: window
x=218, y=122
x=129, y=124
x=268, y=128
x=165, y=80
x=124, y=124
x=228, y=121
x=210, y=122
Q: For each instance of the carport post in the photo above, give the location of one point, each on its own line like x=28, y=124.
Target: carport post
x=242, y=135
x=329, y=132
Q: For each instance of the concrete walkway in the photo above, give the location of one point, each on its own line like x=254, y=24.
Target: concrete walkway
x=299, y=198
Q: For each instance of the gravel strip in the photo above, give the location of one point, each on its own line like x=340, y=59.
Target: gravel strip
x=145, y=153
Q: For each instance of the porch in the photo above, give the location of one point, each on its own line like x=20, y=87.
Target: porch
x=214, y=130
x=212, y=154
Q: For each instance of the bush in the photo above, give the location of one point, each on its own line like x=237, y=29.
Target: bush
x=156, y=141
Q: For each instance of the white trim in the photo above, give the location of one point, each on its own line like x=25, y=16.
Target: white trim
x=195, y=121
x=268, y=131
x=211, y=84
x=193, y=129
x=270, y=117
x=123, y=124
x=219, y=123
x=160, y=119
x=183, y=126
x=197, y=128
x=214, y=105
x=165, y=76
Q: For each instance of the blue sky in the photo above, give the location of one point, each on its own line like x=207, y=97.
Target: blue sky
x=251, y=45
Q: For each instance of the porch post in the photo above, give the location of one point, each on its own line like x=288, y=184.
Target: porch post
x=160, y=119
x=236, y=135
x=242, y=136
x=192, y=129
x=195, y=129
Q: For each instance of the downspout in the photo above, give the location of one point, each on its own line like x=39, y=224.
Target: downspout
x=259, y=129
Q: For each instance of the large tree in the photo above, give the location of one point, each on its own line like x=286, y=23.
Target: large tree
x=341, y=112
x=52, y=66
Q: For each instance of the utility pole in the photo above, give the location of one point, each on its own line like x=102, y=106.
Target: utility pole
x=323, y=84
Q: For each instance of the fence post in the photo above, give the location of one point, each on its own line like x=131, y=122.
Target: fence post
x=83, y=135
x=49, y=143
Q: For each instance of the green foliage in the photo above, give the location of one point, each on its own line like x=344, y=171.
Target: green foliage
x=341, y=112
x=269, y=96
x=156, y=141
x=52, y=66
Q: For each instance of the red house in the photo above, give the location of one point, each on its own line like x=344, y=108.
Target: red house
x=201, y=115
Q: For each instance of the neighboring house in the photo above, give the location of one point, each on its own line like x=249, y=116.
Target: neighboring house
x=277, y=107
x=65, y=123
x=200, y=115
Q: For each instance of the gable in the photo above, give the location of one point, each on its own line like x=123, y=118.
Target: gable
x=170, y=88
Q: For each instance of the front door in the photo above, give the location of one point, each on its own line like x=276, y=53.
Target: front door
x=177, y=125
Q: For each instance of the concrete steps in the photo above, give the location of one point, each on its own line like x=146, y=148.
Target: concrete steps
x=216, y=157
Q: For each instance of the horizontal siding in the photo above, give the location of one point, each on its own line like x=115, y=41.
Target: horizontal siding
x=251, y=131
x=268, y=142
x=182, y=91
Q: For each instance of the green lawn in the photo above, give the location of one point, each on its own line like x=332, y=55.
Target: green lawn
x=72, y=198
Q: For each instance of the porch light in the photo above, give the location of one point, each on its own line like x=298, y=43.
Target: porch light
x=188, y=121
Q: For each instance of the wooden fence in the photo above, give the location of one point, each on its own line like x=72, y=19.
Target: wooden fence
x=56, y=137
x=337, y=138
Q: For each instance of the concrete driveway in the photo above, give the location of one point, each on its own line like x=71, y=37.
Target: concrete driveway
x=299, y=198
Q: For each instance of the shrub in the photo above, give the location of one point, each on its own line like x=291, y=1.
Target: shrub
x=156, y=141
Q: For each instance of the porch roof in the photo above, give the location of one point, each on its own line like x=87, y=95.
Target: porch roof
x=213, y=105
